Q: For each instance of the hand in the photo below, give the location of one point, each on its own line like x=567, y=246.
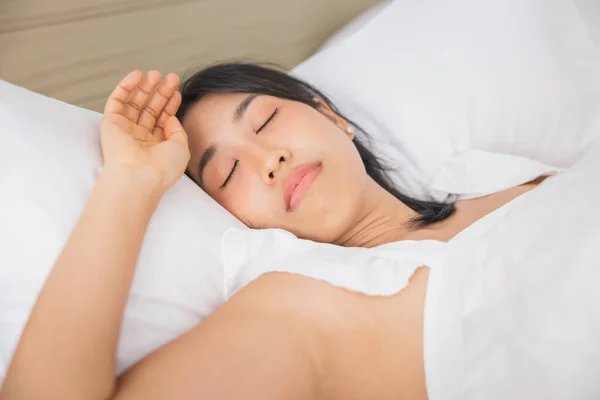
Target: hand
x=140, y=133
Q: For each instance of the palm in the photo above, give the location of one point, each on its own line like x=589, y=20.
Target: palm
x=137, y=132
x=139, y=128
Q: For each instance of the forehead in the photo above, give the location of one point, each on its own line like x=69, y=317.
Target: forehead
x=215, y=114
x=212, y=112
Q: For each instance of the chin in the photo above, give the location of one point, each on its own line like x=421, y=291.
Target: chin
x=320, y=218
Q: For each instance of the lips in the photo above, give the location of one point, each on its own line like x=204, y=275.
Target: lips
x=298, y=182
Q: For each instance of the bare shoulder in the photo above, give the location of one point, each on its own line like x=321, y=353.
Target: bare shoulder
x=263, y=344
x=295, y=294
x=354, y=338
x=255, y=346
x=313, y=301
x=285, y=336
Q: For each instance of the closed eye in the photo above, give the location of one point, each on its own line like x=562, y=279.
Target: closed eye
x=267, y=121
x=235, y=164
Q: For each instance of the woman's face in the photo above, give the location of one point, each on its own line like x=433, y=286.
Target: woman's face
x=276, y=163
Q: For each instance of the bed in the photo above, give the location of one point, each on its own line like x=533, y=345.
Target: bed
x=458, y=100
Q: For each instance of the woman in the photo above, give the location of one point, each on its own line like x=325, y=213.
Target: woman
x=277, y=154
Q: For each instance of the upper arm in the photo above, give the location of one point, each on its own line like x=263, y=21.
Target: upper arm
x=242, y=351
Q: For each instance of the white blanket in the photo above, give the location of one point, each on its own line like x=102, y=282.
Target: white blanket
x=517, y=311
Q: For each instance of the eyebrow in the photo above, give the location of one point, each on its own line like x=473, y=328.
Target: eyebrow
x=207, y=155
x=239, y=112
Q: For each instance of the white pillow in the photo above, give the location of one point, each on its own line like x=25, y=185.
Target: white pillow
x=436, y=78
x=50, y=158
x=355, y=25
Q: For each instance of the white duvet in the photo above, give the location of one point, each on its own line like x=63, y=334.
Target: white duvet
x=518, y=306
x=513, y=302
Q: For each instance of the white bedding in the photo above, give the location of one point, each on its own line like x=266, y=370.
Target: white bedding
x=513, y=306
x=517, y=310
x=433, y=77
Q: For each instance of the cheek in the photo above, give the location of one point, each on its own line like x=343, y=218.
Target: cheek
x=251, y=201
x=300, y=129
x=340, y=190
x=344, y=162
x=327, y=140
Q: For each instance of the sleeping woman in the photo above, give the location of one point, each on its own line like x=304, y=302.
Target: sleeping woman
x=276, y=153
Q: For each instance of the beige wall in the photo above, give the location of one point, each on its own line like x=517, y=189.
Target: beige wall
x=76, y=50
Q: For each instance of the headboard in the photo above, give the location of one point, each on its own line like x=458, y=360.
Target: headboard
x=77, y=50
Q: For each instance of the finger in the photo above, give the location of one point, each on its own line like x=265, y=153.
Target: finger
x=158, y=133
x=170, y=109
x=174, y=131
x=117, y=99
x=140, y=95
x=158, y=100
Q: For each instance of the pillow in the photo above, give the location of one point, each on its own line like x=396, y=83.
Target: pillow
x=355, y=25
x=436, y=78
x=49, y=160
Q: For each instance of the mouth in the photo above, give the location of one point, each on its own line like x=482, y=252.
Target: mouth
x=298, y=182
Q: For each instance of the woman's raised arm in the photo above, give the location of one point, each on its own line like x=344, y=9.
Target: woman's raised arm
x=68, y=347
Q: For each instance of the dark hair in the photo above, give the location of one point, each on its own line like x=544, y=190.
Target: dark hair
x=257, y=79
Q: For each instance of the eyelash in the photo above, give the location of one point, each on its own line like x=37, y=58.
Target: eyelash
x=235, y=164
x=267, y=121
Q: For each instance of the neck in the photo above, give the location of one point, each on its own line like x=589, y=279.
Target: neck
x=383, y=219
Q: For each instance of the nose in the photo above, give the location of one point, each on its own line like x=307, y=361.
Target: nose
x=272, y=162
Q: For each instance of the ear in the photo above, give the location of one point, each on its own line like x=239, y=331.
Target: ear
x=334, y=117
